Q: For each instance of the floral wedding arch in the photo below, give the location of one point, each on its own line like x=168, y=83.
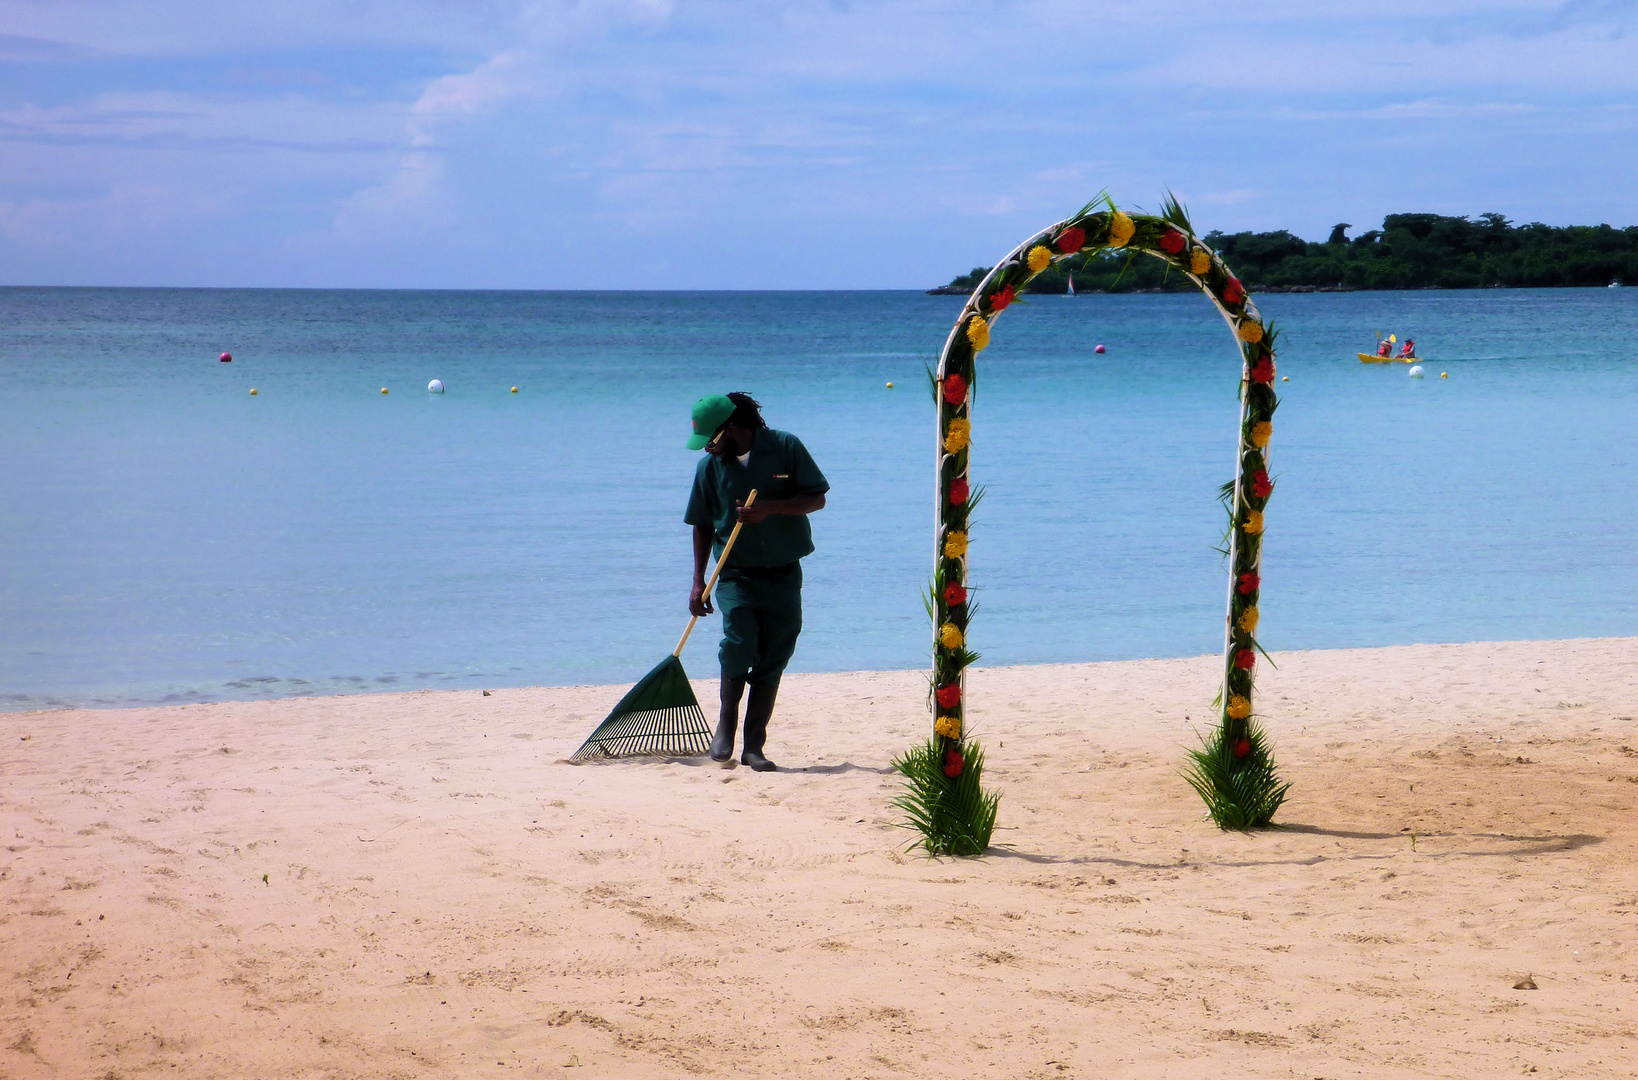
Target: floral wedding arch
x=1233, y=769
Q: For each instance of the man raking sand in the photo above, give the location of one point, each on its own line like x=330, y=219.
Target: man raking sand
x=761, y=591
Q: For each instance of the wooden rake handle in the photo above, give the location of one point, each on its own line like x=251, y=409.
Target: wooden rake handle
x=705, y=596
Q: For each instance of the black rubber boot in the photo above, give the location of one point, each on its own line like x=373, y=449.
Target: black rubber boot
x=722, y=743
x=757, y=712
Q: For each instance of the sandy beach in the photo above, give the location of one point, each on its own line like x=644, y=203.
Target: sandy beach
x=416, y=885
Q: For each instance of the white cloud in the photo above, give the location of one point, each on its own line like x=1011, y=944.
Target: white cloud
x=382, y=207
x=492, y=82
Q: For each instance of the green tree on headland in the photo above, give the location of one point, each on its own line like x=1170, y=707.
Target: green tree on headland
x=1410, y=251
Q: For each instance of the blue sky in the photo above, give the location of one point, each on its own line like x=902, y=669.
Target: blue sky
x=728, y=144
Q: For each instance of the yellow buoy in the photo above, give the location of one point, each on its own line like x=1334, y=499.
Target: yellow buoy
x=1285, y=378
x=1444, y=374
x=890, y=386
x=383, y=389
x=252, y=391
x=514, y=389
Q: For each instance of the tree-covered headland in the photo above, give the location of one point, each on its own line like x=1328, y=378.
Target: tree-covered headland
x=1410, y=251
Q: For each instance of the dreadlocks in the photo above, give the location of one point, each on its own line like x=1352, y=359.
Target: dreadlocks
x=747, y=412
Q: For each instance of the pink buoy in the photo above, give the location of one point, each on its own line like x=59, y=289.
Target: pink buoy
x=1100, y=349
x=227, y=358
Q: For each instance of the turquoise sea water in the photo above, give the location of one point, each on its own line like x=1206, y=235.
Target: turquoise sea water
x=166, y=536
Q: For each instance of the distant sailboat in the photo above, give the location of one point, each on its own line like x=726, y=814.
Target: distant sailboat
x=1072, y=283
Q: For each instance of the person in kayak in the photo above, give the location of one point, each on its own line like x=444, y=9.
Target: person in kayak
x=1407, y=351
x=760, y=590
x=1384, y=347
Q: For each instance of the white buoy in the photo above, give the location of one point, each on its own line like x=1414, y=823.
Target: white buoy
x=436, y=386
x=1416, y=371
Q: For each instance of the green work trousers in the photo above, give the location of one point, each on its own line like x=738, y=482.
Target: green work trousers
x=761, y=620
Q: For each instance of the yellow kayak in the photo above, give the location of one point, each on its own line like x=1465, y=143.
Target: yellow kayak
x=1372, y=358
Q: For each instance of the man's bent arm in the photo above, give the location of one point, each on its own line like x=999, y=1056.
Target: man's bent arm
x=767, y=508
x=802, y=504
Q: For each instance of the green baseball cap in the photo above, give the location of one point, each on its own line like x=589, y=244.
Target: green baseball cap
x=710, y=413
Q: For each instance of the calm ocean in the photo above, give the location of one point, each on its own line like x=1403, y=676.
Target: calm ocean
x=168, y=537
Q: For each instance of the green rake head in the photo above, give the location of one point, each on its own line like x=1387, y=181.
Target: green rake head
x=660, y=716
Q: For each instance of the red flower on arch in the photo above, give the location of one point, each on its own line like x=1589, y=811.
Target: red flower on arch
x=1245, y=659
x=1249, y=583
x=1263, y=370
x=1071, y=240
x=1234, y=292
x=949, y=696
x=1001, y=299
x=955, y=389
x=1242, y=747
x=954, y=594
x=959, y=491
x=1261, y=486
x=1171, y=241
x=953, y=763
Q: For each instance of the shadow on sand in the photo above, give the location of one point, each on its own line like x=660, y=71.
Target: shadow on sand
x=1545, y=844
x=702, y=762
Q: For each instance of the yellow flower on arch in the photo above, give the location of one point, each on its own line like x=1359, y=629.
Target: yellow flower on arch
x=1200, y=261
x=1248, y=620
x=978, y=332
x=1121, y=228
x=957, y=435
x=1260, y=434
x=948, y=726
x=955, y=545
x=1254, y=522
x=1238, y=708
x=1251, y=330
x=949, y=636
x=1039, y=258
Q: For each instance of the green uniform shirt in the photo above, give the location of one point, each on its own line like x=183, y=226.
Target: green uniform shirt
x=779, y=468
